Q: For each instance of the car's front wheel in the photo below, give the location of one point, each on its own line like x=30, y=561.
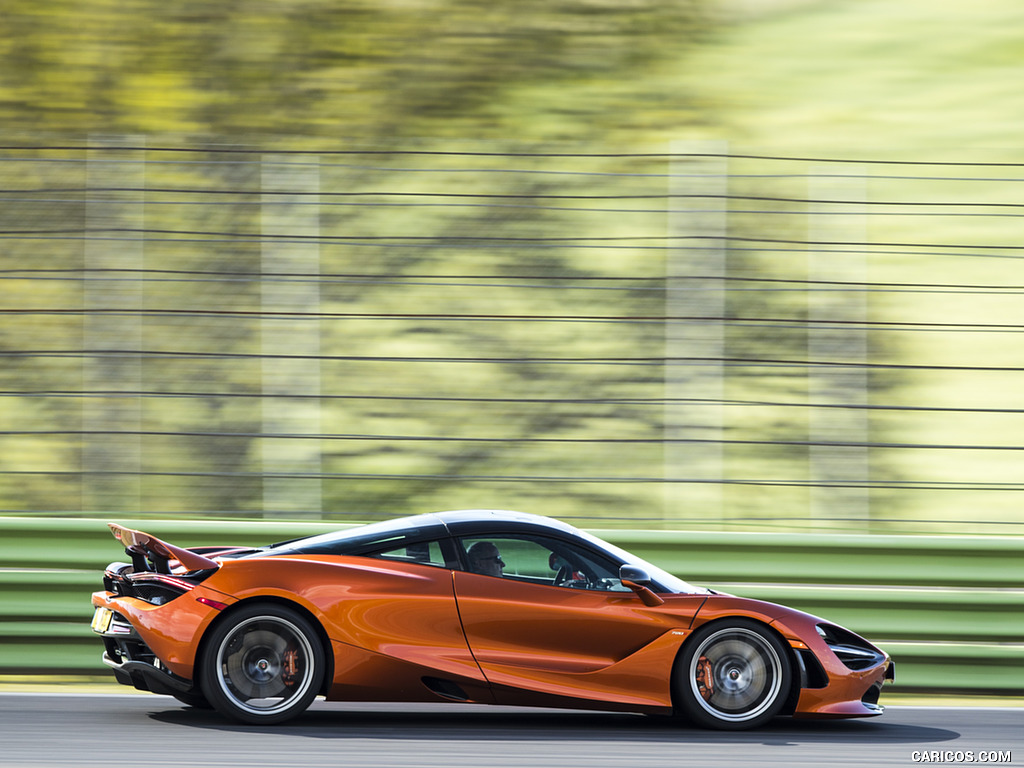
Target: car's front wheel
x=264, y=664
x=733, y=675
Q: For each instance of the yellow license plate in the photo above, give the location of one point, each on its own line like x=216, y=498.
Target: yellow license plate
x=101, y=620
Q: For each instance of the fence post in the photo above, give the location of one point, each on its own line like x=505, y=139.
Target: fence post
x=290, y=337
x=694, y=331
x=837, y=333
x=112, y=298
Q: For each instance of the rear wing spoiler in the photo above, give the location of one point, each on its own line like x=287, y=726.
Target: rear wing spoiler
x=149, y=553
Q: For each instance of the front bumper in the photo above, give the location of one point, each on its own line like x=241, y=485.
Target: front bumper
x=844, y=692
x=840, y=676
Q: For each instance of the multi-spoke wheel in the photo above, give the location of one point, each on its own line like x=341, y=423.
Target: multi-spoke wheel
x=265, y=664
x=733, y=675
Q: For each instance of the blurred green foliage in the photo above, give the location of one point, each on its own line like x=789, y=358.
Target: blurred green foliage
x=328, y=69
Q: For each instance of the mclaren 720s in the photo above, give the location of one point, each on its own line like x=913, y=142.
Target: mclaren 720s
x=471, y=606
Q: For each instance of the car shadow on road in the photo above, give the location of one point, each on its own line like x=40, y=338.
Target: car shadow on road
x=469, y=723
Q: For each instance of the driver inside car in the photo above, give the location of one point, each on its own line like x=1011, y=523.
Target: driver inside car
x=485, y=559
x=565, y=575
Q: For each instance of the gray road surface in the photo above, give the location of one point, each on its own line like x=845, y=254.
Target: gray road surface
x=153, y=731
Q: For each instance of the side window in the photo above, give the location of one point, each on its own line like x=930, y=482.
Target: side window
x=424, y=552
x=541, y=560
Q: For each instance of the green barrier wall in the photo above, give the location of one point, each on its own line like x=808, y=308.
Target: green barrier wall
x=949, y=610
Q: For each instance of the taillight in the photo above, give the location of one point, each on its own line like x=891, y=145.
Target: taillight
x=216, y=604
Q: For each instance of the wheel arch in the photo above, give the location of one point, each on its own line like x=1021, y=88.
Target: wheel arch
x=322, y=637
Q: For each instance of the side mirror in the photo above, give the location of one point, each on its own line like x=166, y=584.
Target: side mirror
x=637, y=579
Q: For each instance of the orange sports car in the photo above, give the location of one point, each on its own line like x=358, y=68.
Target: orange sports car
x=472, y=606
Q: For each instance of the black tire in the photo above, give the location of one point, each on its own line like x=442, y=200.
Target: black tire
x=263, y=664
x=193, y=699
x=732, y=675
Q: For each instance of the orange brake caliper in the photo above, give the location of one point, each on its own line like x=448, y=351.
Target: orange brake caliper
x=705, y=683
x=290, y=670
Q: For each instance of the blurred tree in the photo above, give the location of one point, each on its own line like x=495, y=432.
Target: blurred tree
x=327, y=69
x=397, y=272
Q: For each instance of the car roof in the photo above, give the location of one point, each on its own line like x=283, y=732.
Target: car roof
x=424, y=527
x=493, y=520
x=465, y=522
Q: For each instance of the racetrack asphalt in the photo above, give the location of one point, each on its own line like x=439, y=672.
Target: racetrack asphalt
x=46, y=729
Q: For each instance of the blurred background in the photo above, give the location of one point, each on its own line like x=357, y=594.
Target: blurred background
x=722, y=266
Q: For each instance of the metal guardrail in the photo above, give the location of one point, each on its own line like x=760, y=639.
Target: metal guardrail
x=949, y=610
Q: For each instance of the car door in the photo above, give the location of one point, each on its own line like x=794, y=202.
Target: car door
x=558, y=621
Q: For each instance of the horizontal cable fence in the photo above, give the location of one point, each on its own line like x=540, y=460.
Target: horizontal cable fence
x=684, y=339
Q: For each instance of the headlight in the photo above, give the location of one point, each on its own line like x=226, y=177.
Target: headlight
x=853, y=650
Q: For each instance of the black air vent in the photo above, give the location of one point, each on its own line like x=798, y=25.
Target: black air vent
x=446, y=689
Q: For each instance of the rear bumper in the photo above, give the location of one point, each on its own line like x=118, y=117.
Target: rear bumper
x=169, y=633
x=128, y=653
x=146, y=677
x=131, y=659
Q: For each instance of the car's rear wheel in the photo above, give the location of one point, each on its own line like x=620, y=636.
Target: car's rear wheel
x=733, y=675
x=264, y=664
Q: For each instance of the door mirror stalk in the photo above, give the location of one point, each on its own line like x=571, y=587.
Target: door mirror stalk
x=637, y=579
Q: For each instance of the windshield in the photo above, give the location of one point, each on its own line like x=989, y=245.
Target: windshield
x=661, y=577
